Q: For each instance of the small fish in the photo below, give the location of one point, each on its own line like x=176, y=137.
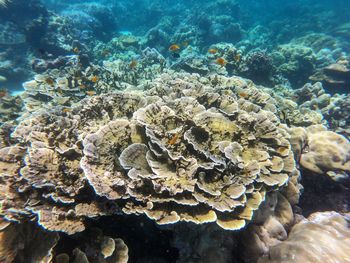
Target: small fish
x=173, y=139
x=237, y=57
x=221, y=61
x=59, y=90
x=3, y=93
x=133, y=64
x=243, y=94
x=76, y=50
x=82, y=86
x=213, y=51
x=174, y=48
x=94, y=79
x=90, y=93
x=66, y=110
x=50, y=81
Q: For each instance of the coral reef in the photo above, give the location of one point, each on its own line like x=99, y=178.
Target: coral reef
x=326, y=152
x=10, y=108
x=26, y=243
x=323, y=237
x=218, y=179
x=334, y=77
x=158, y=131
x=96, y=247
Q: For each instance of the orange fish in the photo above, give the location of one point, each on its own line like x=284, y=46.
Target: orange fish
x=82, y=86
x=94, y=79
x=243, y=94
x=90, y=93
x=133, y=64
x=173, y=139
x=213, y=51
x=3, y=93
x=221, y=61
x=65, y=110
x=76, y=50
x=237, y=57
x=50, y=81
x=174, y=48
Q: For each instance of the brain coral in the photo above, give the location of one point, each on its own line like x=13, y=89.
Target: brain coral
x=201, y=153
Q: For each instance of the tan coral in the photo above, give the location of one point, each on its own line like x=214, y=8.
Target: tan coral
x=268, y=228
x=26, y=243
x=323, y=237
x=199, y=165
x=188, y=149
x=97, y=248
x=47, y=157
x=327, y=153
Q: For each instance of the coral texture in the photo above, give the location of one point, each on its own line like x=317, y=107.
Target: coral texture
x=323, y=237
x=201, y=153
x=326, y=152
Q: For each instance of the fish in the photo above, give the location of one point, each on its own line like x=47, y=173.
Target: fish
x=212, y=51
x=243, y=94
x=59, y=90
x=174, y=48
x=76, y=50
x=133, y=64
x=173, y=139
x=90, y=93
x=50, y=81
x=66, y=110
x=237, y=57
x=94, y=79
x=221, y=61
x=3, y=93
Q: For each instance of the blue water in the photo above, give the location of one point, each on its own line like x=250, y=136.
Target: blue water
x=46, y=30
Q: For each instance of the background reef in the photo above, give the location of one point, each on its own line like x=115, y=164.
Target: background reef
x=187, y=131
